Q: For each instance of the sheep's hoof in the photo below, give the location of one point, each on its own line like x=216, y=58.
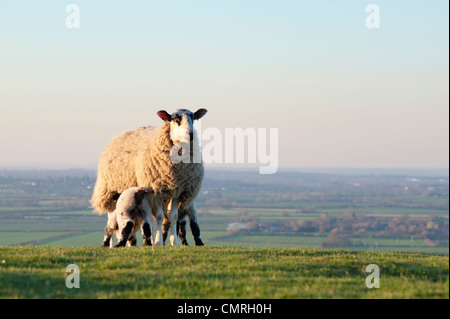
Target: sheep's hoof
x=159, y=243
x=147, y=242
x=174, y=241
x=184, y=242
x=198, y=242
x=120, y=244
x=132, y=243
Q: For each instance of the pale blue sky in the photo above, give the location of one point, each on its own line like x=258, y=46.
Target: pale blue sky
x=342, y=95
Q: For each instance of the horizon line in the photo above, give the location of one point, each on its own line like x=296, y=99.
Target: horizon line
x=424, y=171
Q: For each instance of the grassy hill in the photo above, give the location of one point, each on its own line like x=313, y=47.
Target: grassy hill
x=218, y=272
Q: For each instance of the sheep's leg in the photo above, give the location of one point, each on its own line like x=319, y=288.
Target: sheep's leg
x=153, y=226
x=124, y=234
x=181, y=229
x=195, y=228
x=173, y=217
x=159, y=216
x=165, y=231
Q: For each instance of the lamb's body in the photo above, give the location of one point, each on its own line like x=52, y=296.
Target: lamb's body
x=131, y=214
x=142, y=158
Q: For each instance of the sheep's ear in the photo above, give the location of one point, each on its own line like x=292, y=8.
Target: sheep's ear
x=199, y=113
x=164, y=115
x=115, y=195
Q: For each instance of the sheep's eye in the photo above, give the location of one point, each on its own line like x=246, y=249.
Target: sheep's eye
x=177, y=119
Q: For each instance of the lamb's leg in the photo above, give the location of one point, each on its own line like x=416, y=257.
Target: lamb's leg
x=124, y=234
x=108, y=235
x=146, y=233
x=132, y=241
x=173, y=217
x=159, y=216
x=195, y=228
x=111, y=225
x=146, y=230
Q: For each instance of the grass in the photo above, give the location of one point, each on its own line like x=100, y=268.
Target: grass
x=218, y=272
x=262, y=241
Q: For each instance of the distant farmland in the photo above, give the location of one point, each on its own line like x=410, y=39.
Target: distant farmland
x=373, y=213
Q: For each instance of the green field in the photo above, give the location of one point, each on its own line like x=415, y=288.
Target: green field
x=15, y=238
x=218, y=272
x=83, y=228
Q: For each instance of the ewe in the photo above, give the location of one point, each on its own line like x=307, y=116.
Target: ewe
x=149, y=157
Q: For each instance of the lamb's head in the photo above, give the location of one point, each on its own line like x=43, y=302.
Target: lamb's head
x=182, y=124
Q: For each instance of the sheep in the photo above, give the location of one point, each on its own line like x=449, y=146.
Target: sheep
x=133, y=212
x=150, y=157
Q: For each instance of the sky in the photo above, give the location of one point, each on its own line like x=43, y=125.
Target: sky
x=341, y=94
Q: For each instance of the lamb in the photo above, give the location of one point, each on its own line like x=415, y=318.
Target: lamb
x=167, y=159
x=131, y=213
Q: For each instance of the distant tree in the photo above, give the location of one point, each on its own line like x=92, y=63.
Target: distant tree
x=335, y=239
x=284, y=213
x=252, y=226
